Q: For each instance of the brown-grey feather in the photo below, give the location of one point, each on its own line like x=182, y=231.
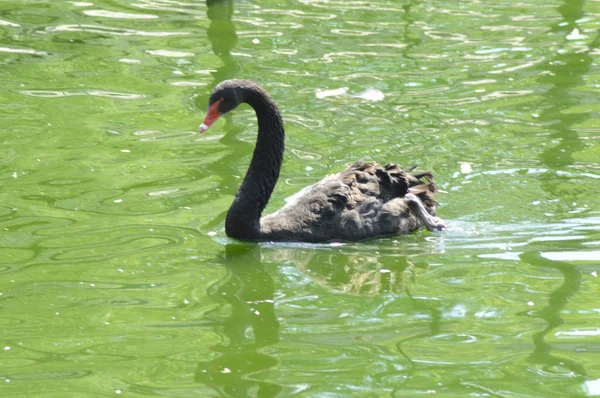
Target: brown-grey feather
x=363, y=201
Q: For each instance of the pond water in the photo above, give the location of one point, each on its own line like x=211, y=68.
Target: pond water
x=116, y=278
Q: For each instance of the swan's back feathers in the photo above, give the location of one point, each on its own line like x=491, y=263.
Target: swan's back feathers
x=363, y=201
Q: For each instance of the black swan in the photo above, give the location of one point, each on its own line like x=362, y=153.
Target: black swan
x=363, y=201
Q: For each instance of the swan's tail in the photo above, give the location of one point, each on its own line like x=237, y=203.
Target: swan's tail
x=422, y=185
x=394, y=182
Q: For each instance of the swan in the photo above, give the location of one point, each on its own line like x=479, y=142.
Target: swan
x=363, y=201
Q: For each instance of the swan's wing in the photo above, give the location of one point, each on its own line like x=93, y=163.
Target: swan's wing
x=362, y=201
x=294, y=198
x=371, y=180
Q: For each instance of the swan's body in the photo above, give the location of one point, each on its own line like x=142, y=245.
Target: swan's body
x=363, y=201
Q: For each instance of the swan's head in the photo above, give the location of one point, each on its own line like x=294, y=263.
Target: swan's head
x=225, y=97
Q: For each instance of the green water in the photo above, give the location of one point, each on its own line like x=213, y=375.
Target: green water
x=116, y=278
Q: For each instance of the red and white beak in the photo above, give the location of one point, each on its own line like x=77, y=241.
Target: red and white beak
x=211, y=116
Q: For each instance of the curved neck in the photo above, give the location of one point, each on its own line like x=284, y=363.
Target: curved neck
x=243, y=218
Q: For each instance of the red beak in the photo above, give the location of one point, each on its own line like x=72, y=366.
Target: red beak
x=211, y=116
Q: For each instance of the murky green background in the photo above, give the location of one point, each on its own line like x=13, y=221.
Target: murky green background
x=116, y=278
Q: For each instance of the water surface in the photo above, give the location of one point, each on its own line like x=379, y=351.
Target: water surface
x=116, y=277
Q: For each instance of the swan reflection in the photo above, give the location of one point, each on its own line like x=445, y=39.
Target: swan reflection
x=249, y=328
x=355, y=271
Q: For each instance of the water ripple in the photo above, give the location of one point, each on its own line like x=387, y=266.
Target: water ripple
x=8, y=23
x=521, y=66
x=155, y=135
x=579, y=256
x=22, y=51
x=304, y=121
x=352, y=5
x=105, y=243
x=261, y=23
x=330, y=57
x=304, y=155
x=20, y=227
x=117, y=15
x=93, y=93
x=107, y=30
x=394, y=45
x=295, y=13
x=11, y=256
x=256, y=34
x=50, y=375
x=348, y=32
x=182, y=7
x=170, y=53
x=445, y=35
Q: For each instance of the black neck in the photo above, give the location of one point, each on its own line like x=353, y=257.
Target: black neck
x=243, y=218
